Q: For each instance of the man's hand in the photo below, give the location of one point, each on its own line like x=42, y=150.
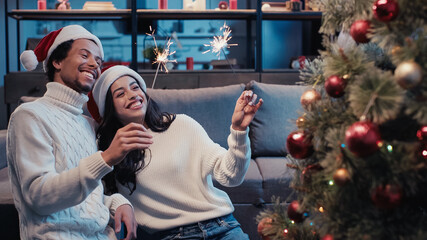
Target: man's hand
x=245, y=110
x=128, y=138
x=124, y=214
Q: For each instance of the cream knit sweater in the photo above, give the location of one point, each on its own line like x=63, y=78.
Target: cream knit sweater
x=176, y=187
x=56, y=171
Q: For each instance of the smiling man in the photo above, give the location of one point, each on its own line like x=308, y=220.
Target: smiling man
x=54, y=165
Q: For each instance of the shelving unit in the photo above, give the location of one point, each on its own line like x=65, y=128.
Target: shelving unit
x=136, y=15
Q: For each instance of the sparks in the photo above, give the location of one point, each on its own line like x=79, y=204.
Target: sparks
x=220, y=42
x=161, y=55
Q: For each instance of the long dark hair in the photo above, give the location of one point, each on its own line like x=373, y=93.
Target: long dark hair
x=125, y=171
x=59, y=54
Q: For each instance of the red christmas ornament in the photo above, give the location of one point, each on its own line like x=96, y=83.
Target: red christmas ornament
x=223, y=5
x=385, y=10
x=263, y=224
x=293, y=212
x=335, y=86
x=362, y=138
x=309, y=97
x=309, y=171
x=422, y=133
x=299, y=144
x=328, y=237
x=359, y=29
x=387, y=196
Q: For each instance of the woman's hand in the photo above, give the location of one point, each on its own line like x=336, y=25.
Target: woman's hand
x=125, y=214
x=133, y=136
x=245, y=110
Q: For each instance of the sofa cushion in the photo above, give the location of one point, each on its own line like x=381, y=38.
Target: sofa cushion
x=275, y=119
x=3, y=159
x=277, y=177
x=250, y=191
x=6, y=196
x=211, y=107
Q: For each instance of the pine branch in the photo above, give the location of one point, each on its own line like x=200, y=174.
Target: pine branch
x=389, y=95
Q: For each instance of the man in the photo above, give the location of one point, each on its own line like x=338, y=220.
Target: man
x=54, y=165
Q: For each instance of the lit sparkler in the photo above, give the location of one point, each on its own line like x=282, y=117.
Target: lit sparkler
x=220, y=42
x=161, y=55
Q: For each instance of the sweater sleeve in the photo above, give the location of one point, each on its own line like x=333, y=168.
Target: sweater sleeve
x=228, y=167
x=114, y=201
x=31, y=157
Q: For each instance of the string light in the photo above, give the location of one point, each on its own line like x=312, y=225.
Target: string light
x=390, y=148
x=331, y=182
x=321, y=209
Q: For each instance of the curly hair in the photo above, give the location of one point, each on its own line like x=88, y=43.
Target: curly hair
x=59, y=54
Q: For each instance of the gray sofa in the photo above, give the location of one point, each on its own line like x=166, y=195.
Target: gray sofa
x=212, y=107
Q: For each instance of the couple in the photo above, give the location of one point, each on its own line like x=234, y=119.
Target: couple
x=161, y=163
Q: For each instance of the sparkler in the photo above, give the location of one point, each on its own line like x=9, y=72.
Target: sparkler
x=220, y=42
x=161, y=55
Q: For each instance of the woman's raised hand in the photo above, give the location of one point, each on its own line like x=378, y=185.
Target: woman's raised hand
x=245, y=110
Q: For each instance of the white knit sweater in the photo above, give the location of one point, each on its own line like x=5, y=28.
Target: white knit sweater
x=56, y=171
x=176, y=187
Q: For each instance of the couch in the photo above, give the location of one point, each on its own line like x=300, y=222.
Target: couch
x=212, y=107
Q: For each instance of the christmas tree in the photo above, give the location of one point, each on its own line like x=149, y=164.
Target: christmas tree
x=360, y=147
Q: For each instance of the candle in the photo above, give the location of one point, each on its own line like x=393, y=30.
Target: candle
x=163, y=4
x=233, y=4
x=41, y=4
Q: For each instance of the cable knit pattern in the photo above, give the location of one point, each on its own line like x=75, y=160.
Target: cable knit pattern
x=176, y=187
x=56, y=171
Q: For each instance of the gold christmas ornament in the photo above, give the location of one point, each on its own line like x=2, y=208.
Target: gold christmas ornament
x=341, y=177
x=408, y=74
x=309, y=97
x=300, y=122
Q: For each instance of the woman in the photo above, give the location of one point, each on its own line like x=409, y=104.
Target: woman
x=170, y=183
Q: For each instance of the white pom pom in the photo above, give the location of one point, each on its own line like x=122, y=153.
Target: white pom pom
x=29, y=60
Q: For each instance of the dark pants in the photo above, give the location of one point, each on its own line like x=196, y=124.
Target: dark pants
x=222, y=228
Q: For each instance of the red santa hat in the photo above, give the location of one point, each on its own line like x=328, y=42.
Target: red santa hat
x=43, y=50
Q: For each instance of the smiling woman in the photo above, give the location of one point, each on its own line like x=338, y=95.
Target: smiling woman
x=171, y=187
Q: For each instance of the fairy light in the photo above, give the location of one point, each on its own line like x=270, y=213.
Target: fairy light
x=331, y=182
x=161, y=56
x=321, y=209
x=292, y=221
x=390, y=148
x=220, y=42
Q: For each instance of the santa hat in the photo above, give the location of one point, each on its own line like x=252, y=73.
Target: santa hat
x=96, y=103
x=51, y=41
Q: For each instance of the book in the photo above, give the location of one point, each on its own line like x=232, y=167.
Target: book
x=98, y=6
